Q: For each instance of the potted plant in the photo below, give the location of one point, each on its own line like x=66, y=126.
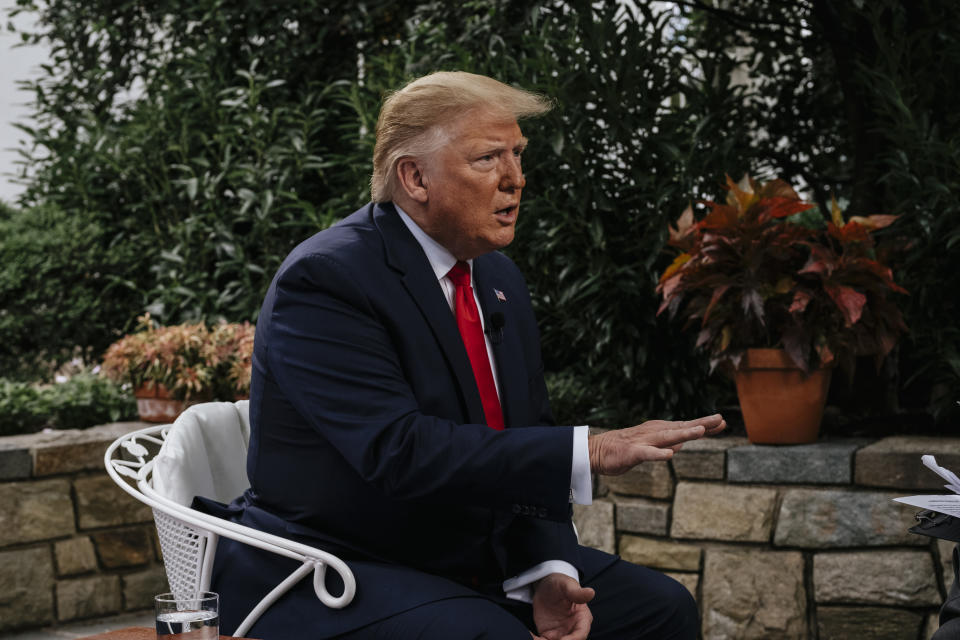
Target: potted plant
x=228, y=354
x=778, y=295
x=169, y=368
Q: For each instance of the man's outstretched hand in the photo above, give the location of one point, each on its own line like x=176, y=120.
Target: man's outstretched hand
x=560, y=608
x=618, y=451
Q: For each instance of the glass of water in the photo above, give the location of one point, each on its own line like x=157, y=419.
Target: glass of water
x=190, y=616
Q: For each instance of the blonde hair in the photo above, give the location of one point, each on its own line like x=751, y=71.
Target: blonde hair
x=414, y=121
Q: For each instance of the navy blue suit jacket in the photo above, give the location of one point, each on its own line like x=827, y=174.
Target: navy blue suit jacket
x=368, y=436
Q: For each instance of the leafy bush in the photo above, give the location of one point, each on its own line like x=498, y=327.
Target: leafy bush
x=58, y=288
x=187, y=166
x=197, y=160
x=84, y=400
x=651, y=104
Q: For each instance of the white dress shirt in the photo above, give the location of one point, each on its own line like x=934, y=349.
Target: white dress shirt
x=519, y=587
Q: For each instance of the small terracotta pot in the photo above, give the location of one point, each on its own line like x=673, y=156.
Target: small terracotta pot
x=780, y=404
x=154, y=404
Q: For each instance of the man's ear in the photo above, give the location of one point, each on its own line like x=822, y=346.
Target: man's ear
x=412, y=180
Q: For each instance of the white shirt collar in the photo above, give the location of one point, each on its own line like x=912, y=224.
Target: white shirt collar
x=441, y=260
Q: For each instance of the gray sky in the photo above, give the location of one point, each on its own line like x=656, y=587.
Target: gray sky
x=19, y=63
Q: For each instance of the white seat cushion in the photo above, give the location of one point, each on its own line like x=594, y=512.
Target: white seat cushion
x=205, y=454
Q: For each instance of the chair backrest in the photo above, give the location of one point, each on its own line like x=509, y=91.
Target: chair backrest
x=205, y=454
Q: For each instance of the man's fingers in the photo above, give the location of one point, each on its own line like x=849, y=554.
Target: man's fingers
x=655, y=454
x=581, y=628
x=707, y=422
x=717, y=429
x=711, y=424
x=577, y=594
x=677, y=435
x=615, y=452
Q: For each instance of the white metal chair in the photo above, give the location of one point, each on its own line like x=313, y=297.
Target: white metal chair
x=204, y=453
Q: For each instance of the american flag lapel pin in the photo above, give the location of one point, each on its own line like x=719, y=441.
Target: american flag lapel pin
x=500, y=296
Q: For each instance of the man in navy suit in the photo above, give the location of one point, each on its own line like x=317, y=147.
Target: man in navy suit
x=399, y=416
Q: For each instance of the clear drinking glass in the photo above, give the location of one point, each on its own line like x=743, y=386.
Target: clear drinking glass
x=190, y=616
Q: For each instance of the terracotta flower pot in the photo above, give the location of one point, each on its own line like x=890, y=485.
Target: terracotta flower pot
x=155, y=404
x=780, y=404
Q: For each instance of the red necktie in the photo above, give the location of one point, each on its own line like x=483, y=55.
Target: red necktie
x=471, y=331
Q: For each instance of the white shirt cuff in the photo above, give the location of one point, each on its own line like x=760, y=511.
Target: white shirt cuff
x=520, y=587
x=581, y=485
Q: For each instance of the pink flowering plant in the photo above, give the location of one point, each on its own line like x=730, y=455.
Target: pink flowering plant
x=760, y=271
x=192, y=361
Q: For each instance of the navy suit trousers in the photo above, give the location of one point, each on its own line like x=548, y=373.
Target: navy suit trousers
x=631, y=603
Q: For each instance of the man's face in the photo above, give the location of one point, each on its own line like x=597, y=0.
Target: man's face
x=474, y=184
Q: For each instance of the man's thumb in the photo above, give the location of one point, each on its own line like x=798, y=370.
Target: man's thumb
x=576, y=593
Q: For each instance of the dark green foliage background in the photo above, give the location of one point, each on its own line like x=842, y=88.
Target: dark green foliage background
x=250, y=127
x=57, y=286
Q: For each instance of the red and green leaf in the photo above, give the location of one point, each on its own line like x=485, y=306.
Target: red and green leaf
x=849, y=233
x=849, y=300
x=800, y=301
x=874, y=222
x=776, y=208
x=681, y=232
x=675, y=266
x=714, y=299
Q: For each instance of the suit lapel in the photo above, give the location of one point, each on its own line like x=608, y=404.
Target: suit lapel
x=508, y=350
x=404, y=254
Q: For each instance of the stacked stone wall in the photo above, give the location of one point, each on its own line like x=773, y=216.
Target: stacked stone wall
x=774, y=542
x=72, y=544
x=786, y=542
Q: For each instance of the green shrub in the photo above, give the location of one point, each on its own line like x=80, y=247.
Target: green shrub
x=654, y=106
x=84, y=400
x=58, y=288
x=21, y=409
x=208, y=153
x=251, y=126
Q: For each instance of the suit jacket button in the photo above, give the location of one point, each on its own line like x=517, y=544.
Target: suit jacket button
x=542, y=513
x=516, y=508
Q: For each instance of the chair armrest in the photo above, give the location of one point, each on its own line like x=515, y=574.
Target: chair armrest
x=141, y=470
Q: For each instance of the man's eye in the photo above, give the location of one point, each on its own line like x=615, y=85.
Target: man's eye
x=487, y=158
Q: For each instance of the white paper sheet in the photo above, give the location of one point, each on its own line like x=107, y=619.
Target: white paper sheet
x=948, y=504
x=953, y=482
